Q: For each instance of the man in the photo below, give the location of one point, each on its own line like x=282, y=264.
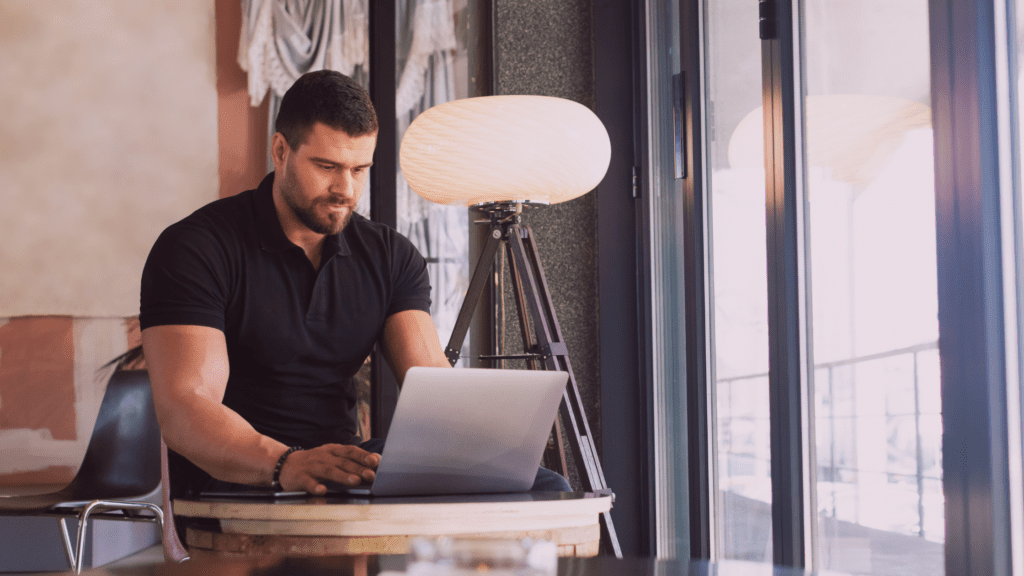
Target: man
x=259, y=308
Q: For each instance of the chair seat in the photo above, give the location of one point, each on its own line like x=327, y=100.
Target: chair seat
x=120, y=469
x=31, y=505
x=39, y=504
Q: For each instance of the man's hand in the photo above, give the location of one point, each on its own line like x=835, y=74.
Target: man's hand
x=307, y=469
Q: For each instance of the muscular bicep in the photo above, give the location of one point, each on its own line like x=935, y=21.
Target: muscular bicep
x=184, y=363
x=410, y=339
x=188, y=366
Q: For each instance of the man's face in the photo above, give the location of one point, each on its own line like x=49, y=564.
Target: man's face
x=321, y=180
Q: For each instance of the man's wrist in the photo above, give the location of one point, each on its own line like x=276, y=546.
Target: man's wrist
x=276, y=482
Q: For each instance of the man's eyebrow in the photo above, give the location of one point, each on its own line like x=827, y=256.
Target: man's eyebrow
x=333, y=163
x=324, y=161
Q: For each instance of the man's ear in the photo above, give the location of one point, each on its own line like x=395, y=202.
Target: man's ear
x=279, y=150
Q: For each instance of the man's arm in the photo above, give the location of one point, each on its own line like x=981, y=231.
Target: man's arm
x=188, y=366
x=410, y=339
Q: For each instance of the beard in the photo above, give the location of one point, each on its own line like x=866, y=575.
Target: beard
x=318, y=215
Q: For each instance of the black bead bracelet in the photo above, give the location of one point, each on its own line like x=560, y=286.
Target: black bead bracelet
x=276, y=484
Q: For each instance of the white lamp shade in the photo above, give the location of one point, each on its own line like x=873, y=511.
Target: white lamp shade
x=505, y=148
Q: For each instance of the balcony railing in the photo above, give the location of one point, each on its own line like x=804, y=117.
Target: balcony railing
x=870, y=459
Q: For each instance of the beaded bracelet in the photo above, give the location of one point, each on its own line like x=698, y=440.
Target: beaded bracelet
x=276, y=484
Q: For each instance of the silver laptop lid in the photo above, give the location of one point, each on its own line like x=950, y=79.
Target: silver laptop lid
x=468, y=430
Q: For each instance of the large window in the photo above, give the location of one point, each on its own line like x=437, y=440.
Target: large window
x=858, y=194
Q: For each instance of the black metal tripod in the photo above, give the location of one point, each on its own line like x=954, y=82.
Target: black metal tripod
x=544, y=347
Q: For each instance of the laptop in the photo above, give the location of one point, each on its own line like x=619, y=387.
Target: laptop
x=462, y=431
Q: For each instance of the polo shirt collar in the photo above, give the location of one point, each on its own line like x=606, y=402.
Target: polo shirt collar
x=272, y=236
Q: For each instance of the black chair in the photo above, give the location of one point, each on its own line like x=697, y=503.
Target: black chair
x=121, y=467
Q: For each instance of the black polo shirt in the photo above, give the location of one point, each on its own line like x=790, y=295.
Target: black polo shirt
x=295, y=335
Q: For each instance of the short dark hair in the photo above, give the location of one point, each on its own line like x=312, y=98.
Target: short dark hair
x=328, y=97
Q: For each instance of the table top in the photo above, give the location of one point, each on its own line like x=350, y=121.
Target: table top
x=347, y=565
x=425, y=515
x=331, y=507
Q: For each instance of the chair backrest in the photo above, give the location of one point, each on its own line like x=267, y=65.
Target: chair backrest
x=123, y=457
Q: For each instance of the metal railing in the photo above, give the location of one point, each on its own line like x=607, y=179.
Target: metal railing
x=832, y=470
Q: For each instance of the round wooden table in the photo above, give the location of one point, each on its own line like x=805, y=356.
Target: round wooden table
x=320, y=526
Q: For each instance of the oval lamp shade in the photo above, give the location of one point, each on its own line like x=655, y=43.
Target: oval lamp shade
x=505, y=148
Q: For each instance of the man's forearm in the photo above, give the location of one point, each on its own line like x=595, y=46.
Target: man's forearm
x=188, y=367
x=219, y=441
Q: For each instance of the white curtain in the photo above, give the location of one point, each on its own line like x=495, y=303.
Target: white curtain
x=283, y=39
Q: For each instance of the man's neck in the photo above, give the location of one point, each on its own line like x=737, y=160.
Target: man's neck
x=311, y=242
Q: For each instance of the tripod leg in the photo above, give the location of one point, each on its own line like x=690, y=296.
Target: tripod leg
x=554, y=455
x=552, y=346
x=561, y=359
x=484, y=267
x=522, y=308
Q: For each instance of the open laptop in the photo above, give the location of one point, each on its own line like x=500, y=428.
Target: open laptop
x=462, y=431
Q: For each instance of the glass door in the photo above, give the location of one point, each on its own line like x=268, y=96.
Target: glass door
x=870, y=198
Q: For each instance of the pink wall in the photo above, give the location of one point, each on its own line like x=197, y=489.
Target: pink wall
x=38, y=361
x=241, y=129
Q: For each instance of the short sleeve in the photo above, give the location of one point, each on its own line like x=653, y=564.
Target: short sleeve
x=185, y=280
x=409, y=277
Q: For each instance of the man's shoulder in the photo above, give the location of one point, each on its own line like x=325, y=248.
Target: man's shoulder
x=364, y=228
x=237, y=208
x=223, y=218
x=378, y=241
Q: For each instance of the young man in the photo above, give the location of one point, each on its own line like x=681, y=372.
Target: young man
x=258, y=309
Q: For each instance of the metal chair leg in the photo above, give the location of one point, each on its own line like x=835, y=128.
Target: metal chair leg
x=83, y=521
x=69, y=553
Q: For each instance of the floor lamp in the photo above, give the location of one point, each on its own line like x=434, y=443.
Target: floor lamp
x=501, y=155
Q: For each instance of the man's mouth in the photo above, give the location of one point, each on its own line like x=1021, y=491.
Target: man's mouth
x=338, y=206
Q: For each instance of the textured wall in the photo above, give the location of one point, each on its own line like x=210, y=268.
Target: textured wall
x=545, y=47
x=109, y=134
x=49, y=389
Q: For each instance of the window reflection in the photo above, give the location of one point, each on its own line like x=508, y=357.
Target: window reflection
x=870, y=201
x=739, y=286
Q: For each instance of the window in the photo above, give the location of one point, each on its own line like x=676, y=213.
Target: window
x=870, y=199
x=837, y=245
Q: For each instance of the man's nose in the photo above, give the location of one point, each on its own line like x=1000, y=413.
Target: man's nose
x=344, y=185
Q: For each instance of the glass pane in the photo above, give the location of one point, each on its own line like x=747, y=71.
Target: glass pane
x=739, y=284
x=1015, y=392
x=871, y=210
x=437, y=61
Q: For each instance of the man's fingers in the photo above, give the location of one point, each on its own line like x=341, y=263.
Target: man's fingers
x=309, y=483
x=315, y=487
x=355, y=453
x=344, y=472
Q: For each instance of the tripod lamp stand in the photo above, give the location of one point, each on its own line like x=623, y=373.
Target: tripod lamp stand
x=501, y=155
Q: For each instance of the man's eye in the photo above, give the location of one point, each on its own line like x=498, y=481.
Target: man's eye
x=326, y=167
